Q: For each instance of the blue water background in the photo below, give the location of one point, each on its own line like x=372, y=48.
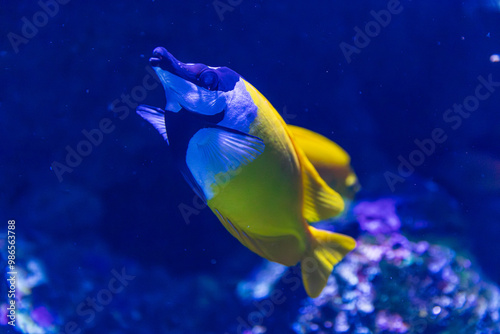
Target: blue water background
x=125, y=194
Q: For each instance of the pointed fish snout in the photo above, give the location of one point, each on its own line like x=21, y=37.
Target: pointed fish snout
x=161, y=51
x=161, y=58
x=164, y=60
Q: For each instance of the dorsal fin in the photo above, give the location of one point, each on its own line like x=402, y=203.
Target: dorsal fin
x=329, y=159
x=320, y=201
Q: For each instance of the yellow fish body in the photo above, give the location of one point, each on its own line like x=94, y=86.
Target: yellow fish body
x=237, y=153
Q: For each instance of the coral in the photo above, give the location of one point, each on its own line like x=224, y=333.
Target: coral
x=29, y=319
x=110, y=295
x=389, y=284
x=378, y=217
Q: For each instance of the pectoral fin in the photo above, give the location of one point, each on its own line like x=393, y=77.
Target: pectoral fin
x=216, y=153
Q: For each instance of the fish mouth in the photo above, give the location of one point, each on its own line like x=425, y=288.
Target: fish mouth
x=158, y=56
x=172, y=73
x=155, y=60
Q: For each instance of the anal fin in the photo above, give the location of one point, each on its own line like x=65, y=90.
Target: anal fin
x=284, y=249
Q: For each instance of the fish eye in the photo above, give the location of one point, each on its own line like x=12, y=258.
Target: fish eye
x=209, y=80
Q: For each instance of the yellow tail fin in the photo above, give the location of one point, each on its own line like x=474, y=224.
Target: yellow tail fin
x=326, y=251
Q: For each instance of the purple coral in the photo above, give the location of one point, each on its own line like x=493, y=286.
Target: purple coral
x=390, y=322
x=42, y=316
x=389, y=284
x=378, y=217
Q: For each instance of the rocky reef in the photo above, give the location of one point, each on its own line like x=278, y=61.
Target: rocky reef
x=389, y=284
x=392, y=285
x=393, y=282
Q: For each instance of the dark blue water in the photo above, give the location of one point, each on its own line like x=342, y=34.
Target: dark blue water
x=410, y=89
